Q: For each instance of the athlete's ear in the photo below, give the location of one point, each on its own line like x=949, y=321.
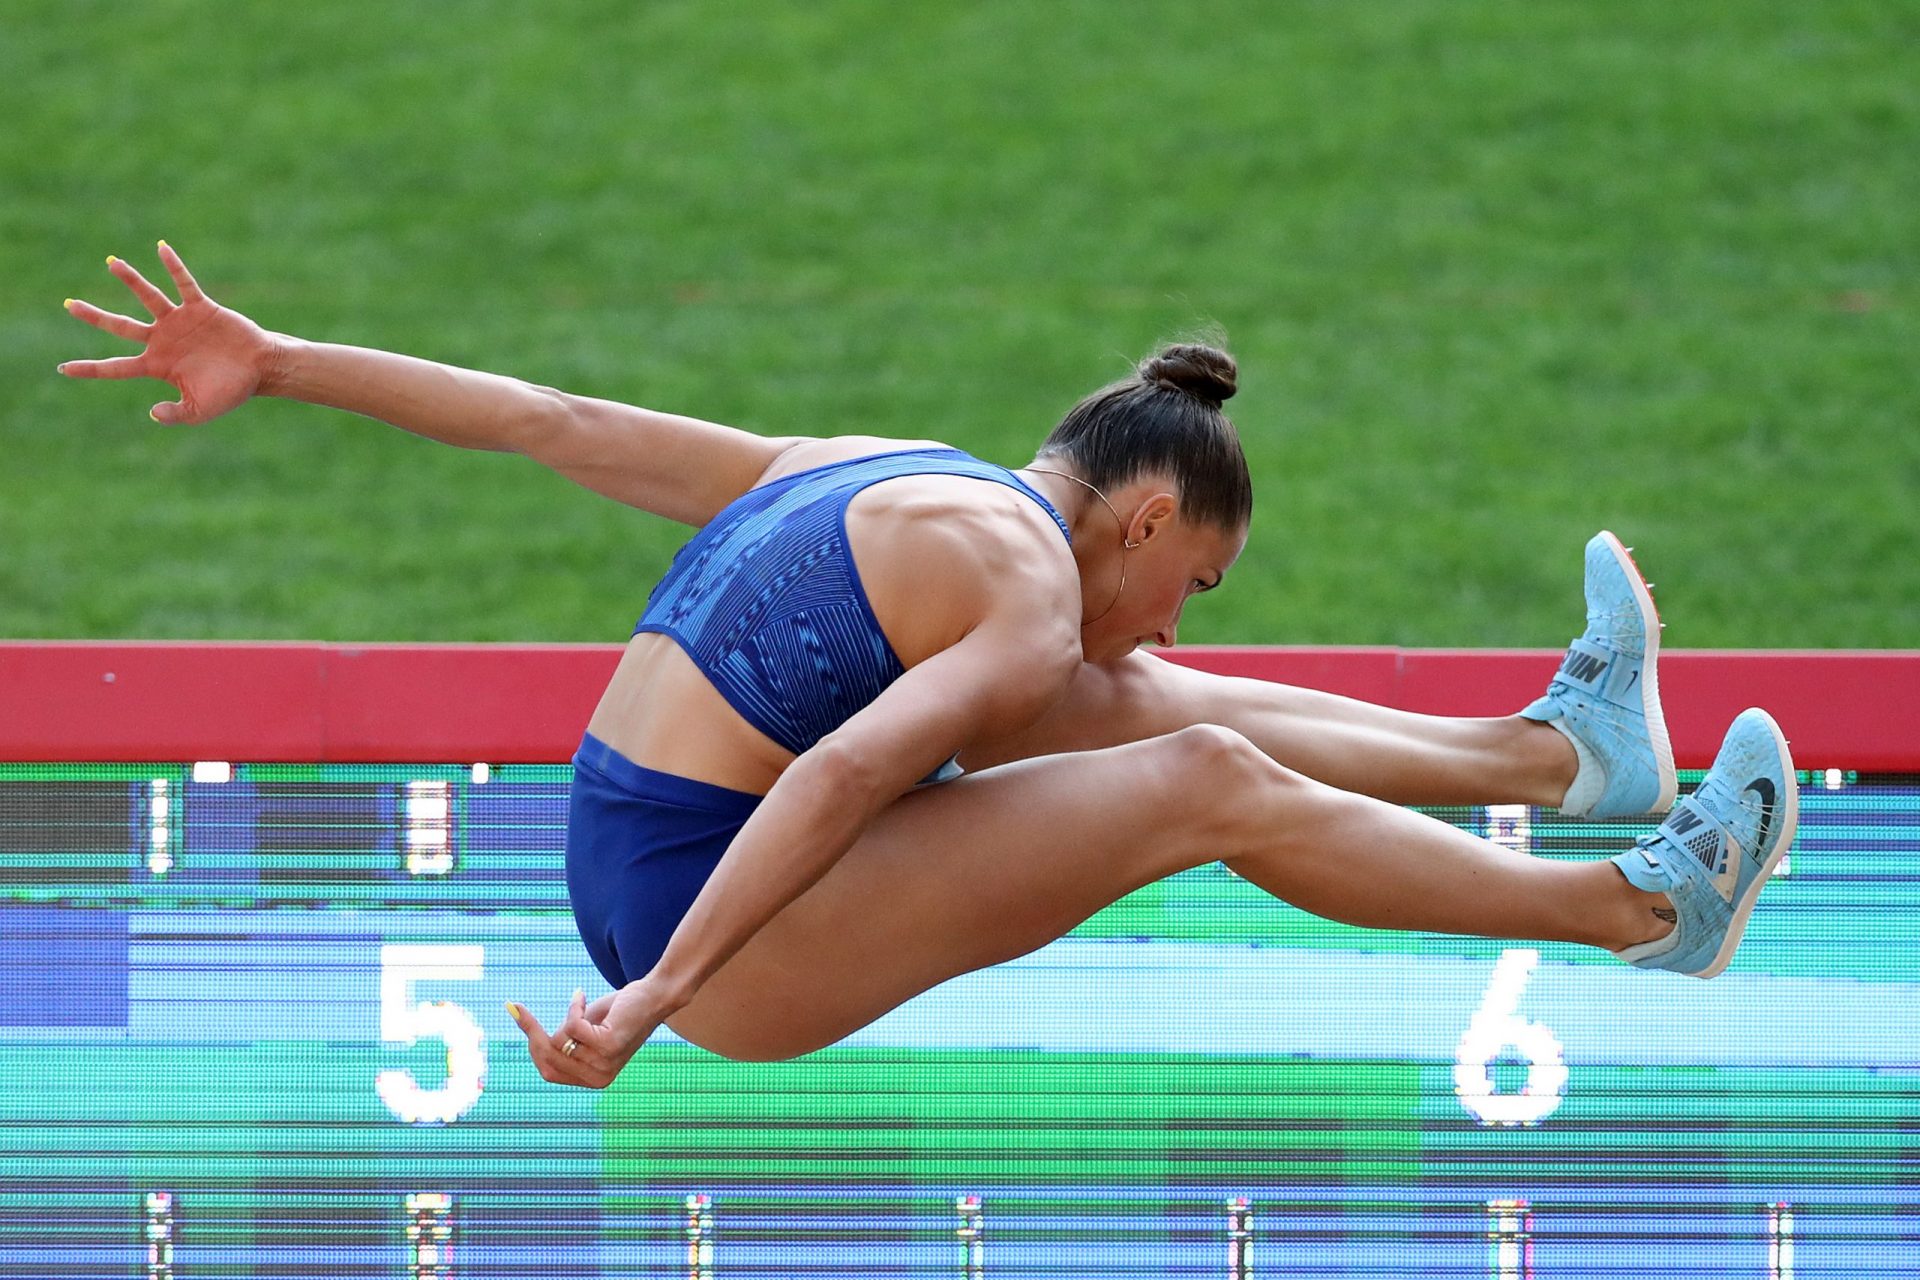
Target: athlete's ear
x=1154, y=513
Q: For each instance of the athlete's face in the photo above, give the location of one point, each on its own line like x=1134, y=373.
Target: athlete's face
x=1173, y=562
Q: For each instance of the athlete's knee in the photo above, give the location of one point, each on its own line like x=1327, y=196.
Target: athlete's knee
x=1215, y=770
x=1238, y=791
x=1218, y=755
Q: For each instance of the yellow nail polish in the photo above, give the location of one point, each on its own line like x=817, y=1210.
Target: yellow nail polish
x=68, y=303
x=513, y=1009
x=154, y=416
x=165, y=245
x=111, y=259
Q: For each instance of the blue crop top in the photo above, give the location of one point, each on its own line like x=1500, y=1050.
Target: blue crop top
x=767, y=601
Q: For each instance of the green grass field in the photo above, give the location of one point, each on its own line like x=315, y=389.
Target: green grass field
x=1498, y=274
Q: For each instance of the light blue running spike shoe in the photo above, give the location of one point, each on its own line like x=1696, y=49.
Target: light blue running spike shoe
x=1606, y=696
x=1715, y=851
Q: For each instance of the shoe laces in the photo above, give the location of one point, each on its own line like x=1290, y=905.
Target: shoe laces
x=1609, y=623
x=1742, y=802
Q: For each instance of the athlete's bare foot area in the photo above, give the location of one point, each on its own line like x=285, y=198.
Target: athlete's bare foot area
x=1548, y=762
x=1643, y=916
x=1609, y=911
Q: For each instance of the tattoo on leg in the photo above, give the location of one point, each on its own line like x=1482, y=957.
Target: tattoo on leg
x=1668, y=914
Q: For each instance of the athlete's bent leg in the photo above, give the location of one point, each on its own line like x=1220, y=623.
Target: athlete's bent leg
x=958, y=877
x=1398, y=756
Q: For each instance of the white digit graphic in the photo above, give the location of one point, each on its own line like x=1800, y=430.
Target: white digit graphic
x=403, y=1022
x=1511, y=826
x=1779, y=1242
x=1494, y=1026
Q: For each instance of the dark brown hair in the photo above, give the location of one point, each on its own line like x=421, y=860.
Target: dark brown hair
x=1165, y=419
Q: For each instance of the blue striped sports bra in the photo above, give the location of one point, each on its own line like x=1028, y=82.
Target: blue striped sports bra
x=767, y=602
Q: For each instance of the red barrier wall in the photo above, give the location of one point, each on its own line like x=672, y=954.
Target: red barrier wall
x=108, y=700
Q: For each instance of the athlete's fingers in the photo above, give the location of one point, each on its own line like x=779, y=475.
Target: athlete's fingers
x=589, y=1054
x=553, y=1065
x=118, y=325
x=537, y=1046
x=597, y=1009
x=574, y=1022
x=593, y=1048
x=524, y=1019
x=189, y=290
x=118, y=367
x=154, y=300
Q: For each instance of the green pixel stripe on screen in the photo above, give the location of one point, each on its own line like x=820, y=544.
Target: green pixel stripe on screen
x=1744, y=1125
x=175, y=774
x=304, y=1112
x=1009, y=1116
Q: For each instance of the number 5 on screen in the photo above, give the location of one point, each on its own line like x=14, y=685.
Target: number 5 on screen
x=403, y=1022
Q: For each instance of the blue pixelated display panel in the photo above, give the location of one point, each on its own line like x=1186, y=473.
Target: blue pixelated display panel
x=252, y=1025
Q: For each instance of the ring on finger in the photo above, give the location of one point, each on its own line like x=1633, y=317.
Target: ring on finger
x=569, y=1046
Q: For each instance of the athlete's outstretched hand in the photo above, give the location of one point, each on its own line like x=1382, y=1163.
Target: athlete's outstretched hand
x=606, y=1035
x=215, y=357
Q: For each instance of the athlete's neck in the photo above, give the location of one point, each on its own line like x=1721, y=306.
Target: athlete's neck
x=1092, y=524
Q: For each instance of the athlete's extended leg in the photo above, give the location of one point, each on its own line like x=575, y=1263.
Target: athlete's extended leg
x=1399, y=756
x=975, y=872
x=1596, y=744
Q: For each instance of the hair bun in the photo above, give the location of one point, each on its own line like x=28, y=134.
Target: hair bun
x=1206, y=373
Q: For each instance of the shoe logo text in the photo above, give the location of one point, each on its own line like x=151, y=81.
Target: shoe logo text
x=1682, y=820
x=1583, y=667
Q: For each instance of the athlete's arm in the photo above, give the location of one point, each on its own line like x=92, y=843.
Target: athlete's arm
x=677, y=467
x=1002, y=676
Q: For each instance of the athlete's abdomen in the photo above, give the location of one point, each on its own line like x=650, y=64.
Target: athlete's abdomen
x=661, y=712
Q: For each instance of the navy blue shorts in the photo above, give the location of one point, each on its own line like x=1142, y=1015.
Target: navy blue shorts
x=640, y=844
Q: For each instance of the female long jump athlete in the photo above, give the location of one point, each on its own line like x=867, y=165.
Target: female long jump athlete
x=884, y=721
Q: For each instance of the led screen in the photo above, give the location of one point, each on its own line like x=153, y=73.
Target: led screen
x=253, y=1025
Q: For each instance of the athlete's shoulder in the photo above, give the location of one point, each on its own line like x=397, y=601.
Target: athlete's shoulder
x=942, y=553
x=827, y=451
x=973, y=517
